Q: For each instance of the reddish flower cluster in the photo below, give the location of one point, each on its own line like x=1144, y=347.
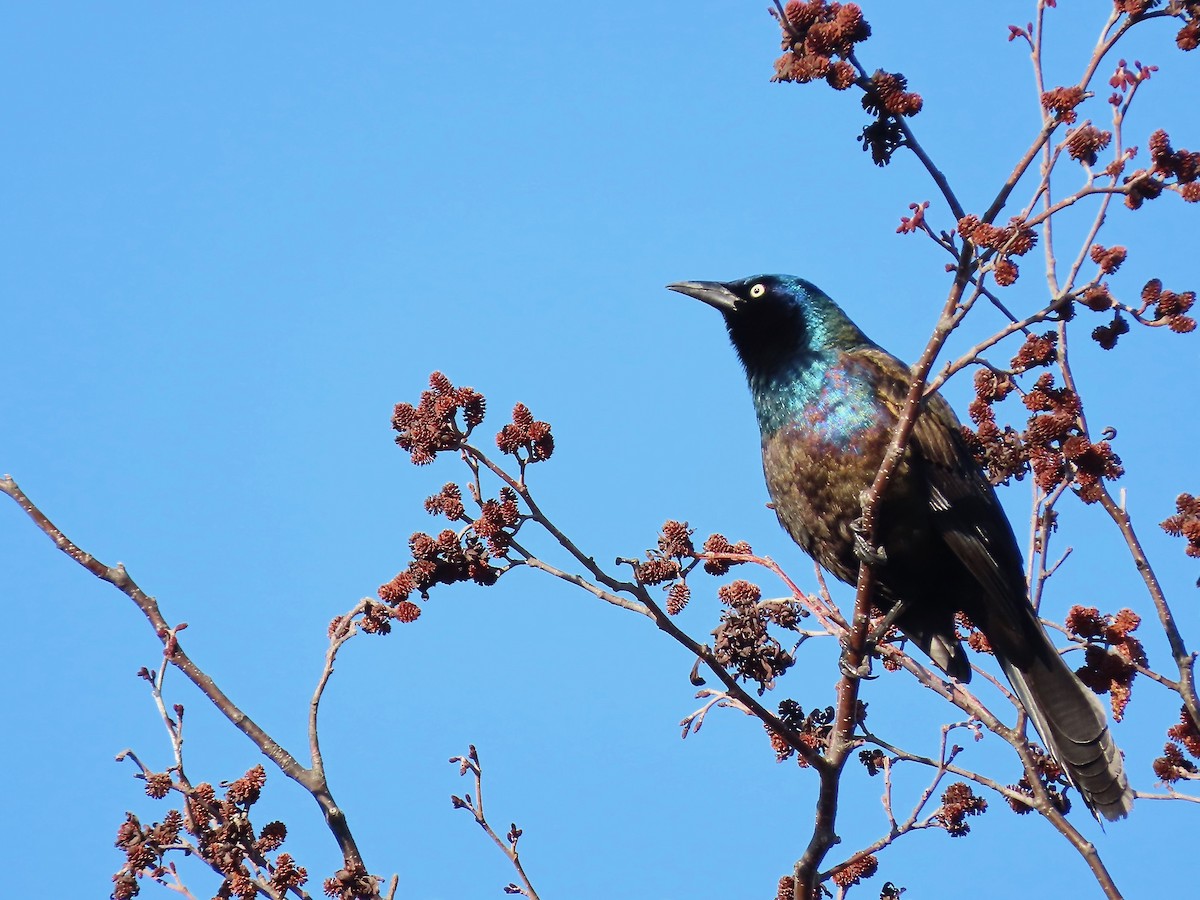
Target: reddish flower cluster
x=915, y=222
x=742, y=641
x=1188, y=37
x=856, y=871
x=447, y=559
x=1185, y=523
x=1173, y=765
x=786, y=889
x=813, y=33
x=965, y=630
x=678, y=596
x=1169, y=306
x=1109, y=259
x=717, y=543
x=1062, y=102
x=1052, y=444
x=1015, y=239
x=351, y=884
x=885, y=97
x=1097, y=298
x=498, y=521
x=223, y=836
x=1051, y=778
x=447, y=501
x=144, y=847
x=432, y=425
x=1133, y=8
x=1182, y=165
x=1085, y=143
x=527, y=435
x=959, y=802
x=1108, y=670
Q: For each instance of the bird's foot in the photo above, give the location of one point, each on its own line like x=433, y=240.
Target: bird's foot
x=861, y=672
x=871, y=555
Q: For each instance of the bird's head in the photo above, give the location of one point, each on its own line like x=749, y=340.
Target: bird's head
x=776, y=322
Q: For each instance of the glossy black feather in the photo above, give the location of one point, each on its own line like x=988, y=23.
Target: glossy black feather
x=827, y=401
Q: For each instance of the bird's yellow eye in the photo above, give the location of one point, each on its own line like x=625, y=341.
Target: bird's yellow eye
x=758, y=290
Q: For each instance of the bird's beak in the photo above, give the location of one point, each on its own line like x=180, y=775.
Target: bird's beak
x=713, y=293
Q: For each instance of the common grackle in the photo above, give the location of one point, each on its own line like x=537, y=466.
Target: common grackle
x=827, y=399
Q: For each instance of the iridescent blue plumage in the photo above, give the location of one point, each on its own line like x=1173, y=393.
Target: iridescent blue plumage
x=827, y=399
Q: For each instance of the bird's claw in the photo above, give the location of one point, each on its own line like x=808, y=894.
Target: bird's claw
x=872, y=556
x=861, y=672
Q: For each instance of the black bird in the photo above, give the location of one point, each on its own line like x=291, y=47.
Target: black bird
x=827, y=399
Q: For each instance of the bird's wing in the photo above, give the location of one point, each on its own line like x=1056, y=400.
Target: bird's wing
x=965, y=509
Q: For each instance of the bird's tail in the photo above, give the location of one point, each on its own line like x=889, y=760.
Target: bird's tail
x=1074, y=728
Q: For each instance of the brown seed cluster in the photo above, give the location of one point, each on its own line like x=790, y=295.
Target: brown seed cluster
x=448, y=502
x=965, y=630
x=1014, y=239
x=223, y=836
x=1173, y=765
x=786, y=889
x=432, y=425
x=1169, y=307
x=1062, y=102
x=885, y=97
x=717, y=543
x=1109, y=259
x=1085, y=143
x=814, y=33
x=1052, y=780
x=1053, y=446
x=742, y=641
x=525, y=438
x=1112, y=655
x=1185, y=523
x=857, y=871
x=959, y=802
x=448, y=558
x=352, y=883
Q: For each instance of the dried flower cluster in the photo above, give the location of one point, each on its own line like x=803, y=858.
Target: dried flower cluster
x=1173, y=766
x=1169, y=307
x=1178, y=170
x=959, y=802
x=1052, y=780
x=432, y=426
x=1185, y=523
x=886, y=97
x=1112, y=655
x=717, y=543
x=1014, y=239
x=814, y=729
x=1085, y=143
x=1062, y=102
x=742, y=642
x=872, y=760
x=857, y=871
x=1053, y=444
x=816, y=32
x=220, y=833
x=525, y=438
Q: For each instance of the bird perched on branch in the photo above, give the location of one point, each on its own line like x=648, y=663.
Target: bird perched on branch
x=827, y=399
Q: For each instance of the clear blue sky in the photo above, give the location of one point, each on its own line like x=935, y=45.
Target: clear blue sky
x=235, y=236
